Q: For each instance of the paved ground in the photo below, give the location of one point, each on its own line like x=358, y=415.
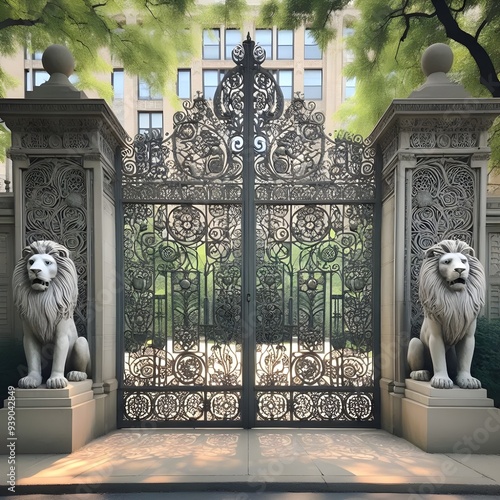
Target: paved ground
x=283, y=464
x=252, y=496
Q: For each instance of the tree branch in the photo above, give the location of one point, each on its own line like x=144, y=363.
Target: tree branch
x=488, y=75
x=7, y=23
x=486, y=20
x=407, y=17
x=460, y=9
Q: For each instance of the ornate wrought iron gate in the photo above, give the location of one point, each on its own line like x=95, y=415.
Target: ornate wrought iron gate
x=250, y=257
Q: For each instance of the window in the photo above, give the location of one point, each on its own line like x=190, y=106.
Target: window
x=211, y=44
x=313, y=84
x=211, y=80
x=233, y=38
x=149, y=122
x=350, y=87
x=184, y=83
x=347, y=31
x=265, y=39
x=117, y=81
x=284, y=77
x=35, y=56
x=145, y=91
x=37, y=77
x=348, y=54
x=311, y=49
x=285, y=44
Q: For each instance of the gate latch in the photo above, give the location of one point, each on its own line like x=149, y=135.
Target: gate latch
x=248, y=297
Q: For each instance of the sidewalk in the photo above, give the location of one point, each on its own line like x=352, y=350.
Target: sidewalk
x=256, y=460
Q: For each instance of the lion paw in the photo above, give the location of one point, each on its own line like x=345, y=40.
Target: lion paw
x=30, y=382
x=57, y=383
x=420, y=375
x=466, y=381
x=76, y=376
x=441, y=382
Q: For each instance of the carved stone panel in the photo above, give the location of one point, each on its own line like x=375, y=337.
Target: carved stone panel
x=441, y=204
x=56, y=207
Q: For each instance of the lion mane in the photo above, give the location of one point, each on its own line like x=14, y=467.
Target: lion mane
x=43, y=311
x=454, y=310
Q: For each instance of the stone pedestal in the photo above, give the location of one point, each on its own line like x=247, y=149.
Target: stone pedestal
x=65, y=150
x=434, y=152
x=50, y=420
x=450, y=420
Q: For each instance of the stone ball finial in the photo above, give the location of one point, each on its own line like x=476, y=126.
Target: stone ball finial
x=58, y=59
x=438, y=58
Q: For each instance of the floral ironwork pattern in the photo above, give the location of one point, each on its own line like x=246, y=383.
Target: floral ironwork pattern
x=248, y=189
x=56, y=208
x=314, y=309
x=182, y=310
x=442, y=207
x=301, y=163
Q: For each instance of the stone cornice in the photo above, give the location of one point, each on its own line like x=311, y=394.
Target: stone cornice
x=487, y=108
x=16, y=112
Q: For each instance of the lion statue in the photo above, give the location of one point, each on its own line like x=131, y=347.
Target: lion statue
x=45, y=293
x=452, y=292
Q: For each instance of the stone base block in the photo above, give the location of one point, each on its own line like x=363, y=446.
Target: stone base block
x=450, y=420
x=50, y=420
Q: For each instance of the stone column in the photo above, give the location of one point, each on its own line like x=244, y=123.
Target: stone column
x=65, y=148
x=434, y=151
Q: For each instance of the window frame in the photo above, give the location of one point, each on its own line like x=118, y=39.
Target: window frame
x=320, y=86
x=206, y=38
x=148, y=130
x=149, y=95
x=269, y=53
x=281, y=46
x=220, y=76
x=37, y=71
x=117, y=71
x=228, y=50
x=186, y=71
x=278, y=73
x=347, y=86
x=317, y=53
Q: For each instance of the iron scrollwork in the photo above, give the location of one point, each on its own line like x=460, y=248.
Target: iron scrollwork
x=187, y=247
x=314, y=310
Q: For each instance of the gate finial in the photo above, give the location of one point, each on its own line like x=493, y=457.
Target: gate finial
x=436, y=62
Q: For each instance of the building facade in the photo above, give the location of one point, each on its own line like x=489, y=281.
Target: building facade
x=292, y=56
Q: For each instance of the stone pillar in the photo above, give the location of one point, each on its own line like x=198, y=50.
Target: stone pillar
x=434, y=151
x=65, y=148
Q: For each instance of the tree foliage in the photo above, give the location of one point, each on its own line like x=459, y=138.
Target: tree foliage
x=389, y=39
x=149, y=37
x=486, y=361
x=290, y=14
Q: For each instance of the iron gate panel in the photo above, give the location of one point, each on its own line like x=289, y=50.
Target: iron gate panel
x=250, y=264
x=182, y=325
x=314, y=328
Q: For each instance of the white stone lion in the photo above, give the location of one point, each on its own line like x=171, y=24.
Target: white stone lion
x=452, y=292
x=45, y=294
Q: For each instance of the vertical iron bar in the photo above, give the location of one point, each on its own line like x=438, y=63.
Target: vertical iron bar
x=249, y=231
x=376, y=286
